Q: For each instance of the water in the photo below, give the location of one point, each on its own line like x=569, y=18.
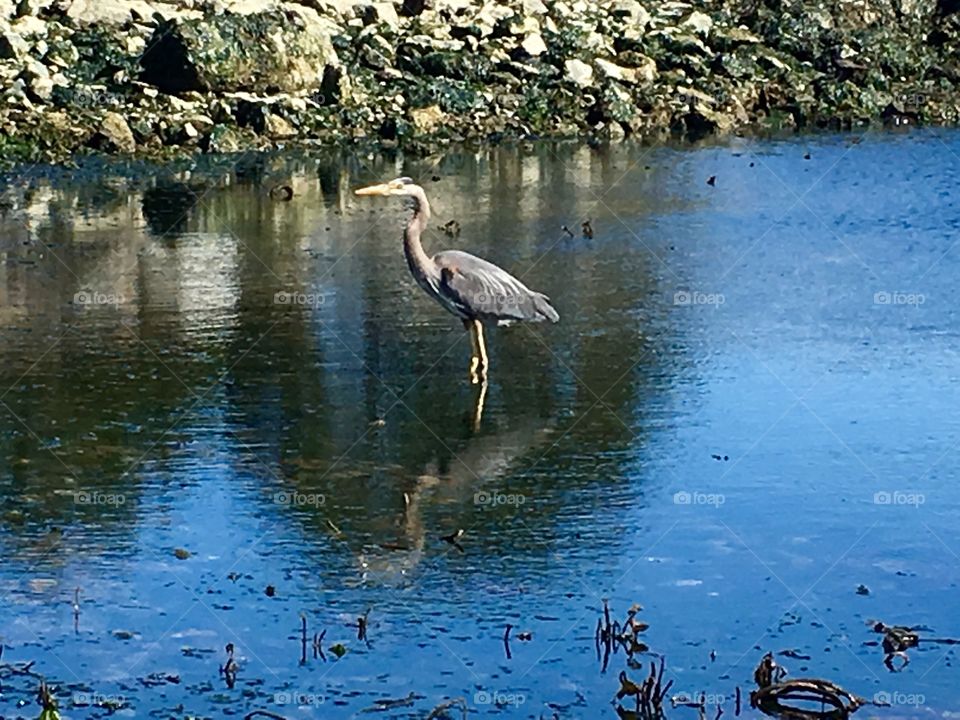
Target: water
x=746, y=412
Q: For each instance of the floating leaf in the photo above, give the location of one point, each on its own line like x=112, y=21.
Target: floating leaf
x=339, y=650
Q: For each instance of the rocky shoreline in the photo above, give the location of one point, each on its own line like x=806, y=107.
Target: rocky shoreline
x=155, y=79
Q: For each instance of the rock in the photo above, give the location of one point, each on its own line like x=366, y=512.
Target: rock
x=632, y=10
x=341, y=8
x=115, y=135
x=386, y=13
x=699, y=22
x=914, y=8
x=213, y=54
x=16, y=94
x=451, y=6
x=616, y=72
x=412, y=8
x=533, y=44
x=278, y=127
x=202, y=123
x=525, y=26
x=647, y=70
x=223, y=139
x=489, y=15
x=578, y=72
x=116, y=12
x=12, y=45
x=738, y=35
x=30, y=26
x=427, y=119
x=615, y=132
x=38, y=80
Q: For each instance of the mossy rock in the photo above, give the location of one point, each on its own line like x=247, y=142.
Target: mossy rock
x=269, y=52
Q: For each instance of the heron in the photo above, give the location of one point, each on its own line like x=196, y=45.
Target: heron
x=473, y=289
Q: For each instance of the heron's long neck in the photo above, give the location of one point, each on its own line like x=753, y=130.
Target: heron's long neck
x=417, y=259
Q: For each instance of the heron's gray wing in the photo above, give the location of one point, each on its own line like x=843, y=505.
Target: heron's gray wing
x=482, y=290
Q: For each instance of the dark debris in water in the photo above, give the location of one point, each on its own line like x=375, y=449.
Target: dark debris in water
x=780, y=697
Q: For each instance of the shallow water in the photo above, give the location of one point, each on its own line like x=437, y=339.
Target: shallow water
x=747, y=411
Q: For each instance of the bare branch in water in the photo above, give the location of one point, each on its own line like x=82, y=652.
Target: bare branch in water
x=440, y=711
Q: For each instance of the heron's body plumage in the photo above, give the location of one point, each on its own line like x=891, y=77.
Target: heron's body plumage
x=478, y=289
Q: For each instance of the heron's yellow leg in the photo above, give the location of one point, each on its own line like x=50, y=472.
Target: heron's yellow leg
x=478, y=363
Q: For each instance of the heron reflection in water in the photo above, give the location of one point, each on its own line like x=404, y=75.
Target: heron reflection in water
x=473, y=289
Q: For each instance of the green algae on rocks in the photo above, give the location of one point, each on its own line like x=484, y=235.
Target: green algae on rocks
x=151, y=77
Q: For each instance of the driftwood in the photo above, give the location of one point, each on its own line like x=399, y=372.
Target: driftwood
x=835, y=701
x=773, y=694
x=9, y=670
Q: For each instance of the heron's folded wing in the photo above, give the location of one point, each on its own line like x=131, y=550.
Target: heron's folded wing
x=485, y=291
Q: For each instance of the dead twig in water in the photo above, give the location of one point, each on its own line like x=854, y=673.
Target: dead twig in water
x=7, y=670
x=612, y=636
x=768, y=672
x=230, y=668
x=45, y=697
x=263, y=713
x=506, y=641
x=362, y=626
x=649, y=695
x=318, y=645
x=388, y=704
x=896, y=641
x=440, y=711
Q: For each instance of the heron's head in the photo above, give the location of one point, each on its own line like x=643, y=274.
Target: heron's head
x=402, y=186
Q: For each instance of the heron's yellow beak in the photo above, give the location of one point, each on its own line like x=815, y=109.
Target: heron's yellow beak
x=381, y=189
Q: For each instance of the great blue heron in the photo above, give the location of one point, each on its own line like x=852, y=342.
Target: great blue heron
x=471, y=288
